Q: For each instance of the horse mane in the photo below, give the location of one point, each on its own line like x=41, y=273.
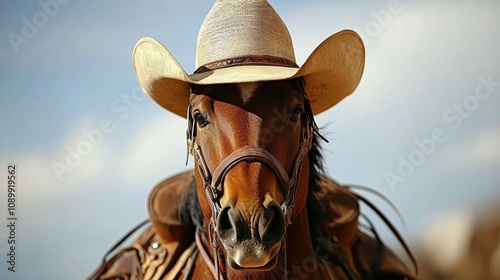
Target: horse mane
x=191, y=215
x=189, y=211
x=313, y=205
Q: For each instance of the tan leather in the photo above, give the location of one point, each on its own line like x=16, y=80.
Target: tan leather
x=163, y=207
x=366, y=256
x=375, y=261
x=340, y=212
x=265, y=60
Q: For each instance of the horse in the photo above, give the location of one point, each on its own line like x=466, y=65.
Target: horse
x=259, y=178
x=257, y=167
x=259, y=204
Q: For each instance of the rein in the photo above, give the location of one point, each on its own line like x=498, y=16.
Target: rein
x=214, y=181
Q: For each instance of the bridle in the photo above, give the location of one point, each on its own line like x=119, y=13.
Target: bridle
x=213, y=180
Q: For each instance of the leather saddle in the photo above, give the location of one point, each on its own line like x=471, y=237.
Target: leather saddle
x=166, y=248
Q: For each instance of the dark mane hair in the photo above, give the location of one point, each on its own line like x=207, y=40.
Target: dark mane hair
x=192, y=217
x=189, y=209
x=313, y=205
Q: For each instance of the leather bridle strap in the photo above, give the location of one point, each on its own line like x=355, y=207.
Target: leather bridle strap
x=249, y=154
x=213, y=183
x=205, y=255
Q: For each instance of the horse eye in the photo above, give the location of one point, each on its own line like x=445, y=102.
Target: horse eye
x=200, y=119
x=294, y=115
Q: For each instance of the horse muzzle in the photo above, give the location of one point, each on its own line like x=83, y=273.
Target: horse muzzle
x=256, y=246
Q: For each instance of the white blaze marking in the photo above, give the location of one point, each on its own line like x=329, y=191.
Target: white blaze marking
x=247, y=90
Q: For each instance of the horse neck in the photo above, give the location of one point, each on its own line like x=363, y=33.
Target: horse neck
x=301, y=261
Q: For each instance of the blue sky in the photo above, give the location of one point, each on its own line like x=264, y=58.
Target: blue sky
x=423, y=127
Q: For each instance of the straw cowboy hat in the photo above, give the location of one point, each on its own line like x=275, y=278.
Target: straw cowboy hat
x=247, y=41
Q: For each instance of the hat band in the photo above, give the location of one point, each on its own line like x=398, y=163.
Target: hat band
x=264, y=60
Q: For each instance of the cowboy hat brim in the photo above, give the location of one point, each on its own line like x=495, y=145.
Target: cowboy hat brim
x=332, y=72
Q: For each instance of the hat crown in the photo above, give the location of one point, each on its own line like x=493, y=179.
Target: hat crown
x=236, y=28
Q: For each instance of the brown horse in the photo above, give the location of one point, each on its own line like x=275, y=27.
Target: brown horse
x=251, y=144
x=258, y=177
x=258, y=205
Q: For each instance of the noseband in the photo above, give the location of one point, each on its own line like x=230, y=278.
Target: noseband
x=214, y=181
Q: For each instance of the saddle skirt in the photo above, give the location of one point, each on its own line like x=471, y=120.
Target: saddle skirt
x=166, y=249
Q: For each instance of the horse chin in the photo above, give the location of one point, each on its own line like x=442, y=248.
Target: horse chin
x=249, y=255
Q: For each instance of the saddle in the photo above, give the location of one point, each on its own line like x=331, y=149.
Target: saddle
x=165, y=247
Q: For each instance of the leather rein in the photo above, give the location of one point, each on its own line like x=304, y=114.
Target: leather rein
x=213, y=181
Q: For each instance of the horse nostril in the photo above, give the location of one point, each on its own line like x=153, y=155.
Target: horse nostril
x=223, y=222
x=231, y=226
x=272, y=223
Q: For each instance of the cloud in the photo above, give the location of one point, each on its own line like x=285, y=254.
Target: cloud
x=153, y=150
x=480, y=151
x=83, y=151
x=417, y=66
x=34, y=175
x=158, y=149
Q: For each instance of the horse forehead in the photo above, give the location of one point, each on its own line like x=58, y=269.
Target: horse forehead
x=247, y=90
x=251, y=97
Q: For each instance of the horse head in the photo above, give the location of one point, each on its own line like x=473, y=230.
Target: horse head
x=250, y=142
